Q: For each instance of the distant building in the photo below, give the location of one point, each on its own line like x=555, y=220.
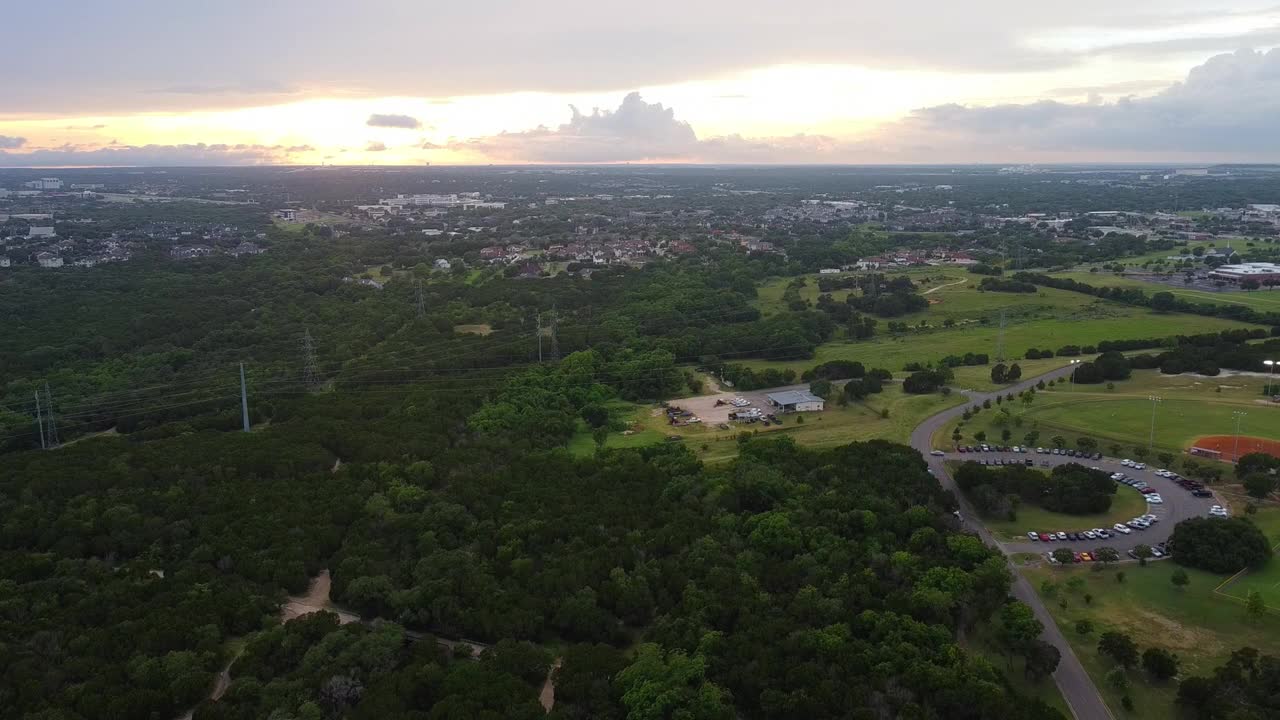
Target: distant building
x=36, y=231
x=48, y=260
x=4, y=262
x=44, y=184
x=4, y=193
x=442, y=264
x=87, y=186
x=287, y=215
x=1263, y=272
x=796, y=401
x=247, y=248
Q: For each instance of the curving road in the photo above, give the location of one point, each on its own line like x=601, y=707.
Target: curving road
x=1075, y=684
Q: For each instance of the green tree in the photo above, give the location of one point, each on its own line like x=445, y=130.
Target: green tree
x=1180, y=579
x=1119, y=647
x=1030, y=438
x=1084, y=627
x=1059, y=441
x=1160, y=663
x=1260, y=484
x=1018, y=627
x=1254, y=605
x=658, y=685
x=1064, y=556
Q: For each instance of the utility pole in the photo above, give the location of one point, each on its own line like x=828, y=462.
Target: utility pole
x=309, y=374
x=422, y=308
x=40, y=421
x=244, y=399
x=1235, y=452
x=52, y=431
x=1151, y=441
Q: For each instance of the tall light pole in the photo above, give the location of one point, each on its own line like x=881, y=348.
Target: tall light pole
x=1074, y=363
x=1151, y=441
x=1271, y=374
x=1235, y=452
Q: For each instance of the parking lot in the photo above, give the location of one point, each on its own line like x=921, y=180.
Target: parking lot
x=706, y=409
x=1178, y=505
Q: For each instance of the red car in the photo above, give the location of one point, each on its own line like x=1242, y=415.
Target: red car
x=1044, y=537
x=1077, y=558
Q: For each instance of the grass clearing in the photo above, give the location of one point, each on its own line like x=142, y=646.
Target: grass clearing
x=477, y=329
x=1261, y=300
x=1201, y=627
x=833, y=427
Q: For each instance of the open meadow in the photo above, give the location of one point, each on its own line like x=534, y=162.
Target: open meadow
x=1262, y=300
x=1202, y=626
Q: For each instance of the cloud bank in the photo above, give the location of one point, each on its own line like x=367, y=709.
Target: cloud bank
x=405, y=122
x=10, y=143
x=1228, y=107
x=198, y=154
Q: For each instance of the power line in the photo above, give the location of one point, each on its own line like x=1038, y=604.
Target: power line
x=51, y=432
x=309, y=374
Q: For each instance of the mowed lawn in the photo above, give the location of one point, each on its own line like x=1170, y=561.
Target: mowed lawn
x=1261, y=300
x=833, y=427
x=1202, y=627
x=1127, y=421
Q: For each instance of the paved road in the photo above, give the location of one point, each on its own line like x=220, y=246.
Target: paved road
x=1075, y=684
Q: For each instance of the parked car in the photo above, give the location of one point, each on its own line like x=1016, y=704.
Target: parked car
x=1033, y=535
x=1062, y=535
x=1045, y=537
x=937, y=453
x=1086, y=557
x=1155, y=499
x=1123, y=530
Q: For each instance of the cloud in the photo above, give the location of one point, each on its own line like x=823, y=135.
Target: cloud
x=8, y=142
x=375, y=147
x=566, y=46
x=393, y=121
x=198, y=154
x=1227, y=106
x=636, y=131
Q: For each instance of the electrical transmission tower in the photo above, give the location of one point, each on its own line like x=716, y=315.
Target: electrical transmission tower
x=422, y=306
x=539, y=336
x=51, y=427
x=1000, y=338
x=40, y=421
x=555, y=342
x=309, y=373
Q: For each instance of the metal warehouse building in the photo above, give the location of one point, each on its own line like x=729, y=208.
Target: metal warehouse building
x=796, y=401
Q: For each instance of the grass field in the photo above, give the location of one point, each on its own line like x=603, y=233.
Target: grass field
x=1266, y=579
x=1125, y=505
x=1261, y=300
x=1200, y=626
x=1048, y=319
x=1190, y=406
x=832, y=427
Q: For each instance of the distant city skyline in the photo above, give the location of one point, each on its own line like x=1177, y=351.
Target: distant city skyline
x=141, y=82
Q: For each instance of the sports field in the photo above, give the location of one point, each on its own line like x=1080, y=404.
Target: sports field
x=1190, y=407
x=1231, y=447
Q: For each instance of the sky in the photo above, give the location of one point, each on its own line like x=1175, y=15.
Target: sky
x=410, y=82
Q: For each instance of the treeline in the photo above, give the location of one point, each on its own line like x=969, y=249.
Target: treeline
x=1211, y=359
x=992, y=284
x=1071, y=488
x=1160, y=301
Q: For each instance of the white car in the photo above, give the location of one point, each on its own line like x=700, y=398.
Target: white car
x=1155, y=499
x=1061, y=535
x=1091, y=534
x=937, y=453
x=1140, y=466
x=1122, y=529
x=1033, y=535
x=1151, y=518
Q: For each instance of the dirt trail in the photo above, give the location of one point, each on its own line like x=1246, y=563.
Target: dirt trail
x=947, y=285
x=548, y=695
x=316, y=599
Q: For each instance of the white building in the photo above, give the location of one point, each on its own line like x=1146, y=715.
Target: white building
x=4, y=261
x=442, y=264
x=44, y=184
x=36, y=231
x=48, y=260
x=796, y=401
